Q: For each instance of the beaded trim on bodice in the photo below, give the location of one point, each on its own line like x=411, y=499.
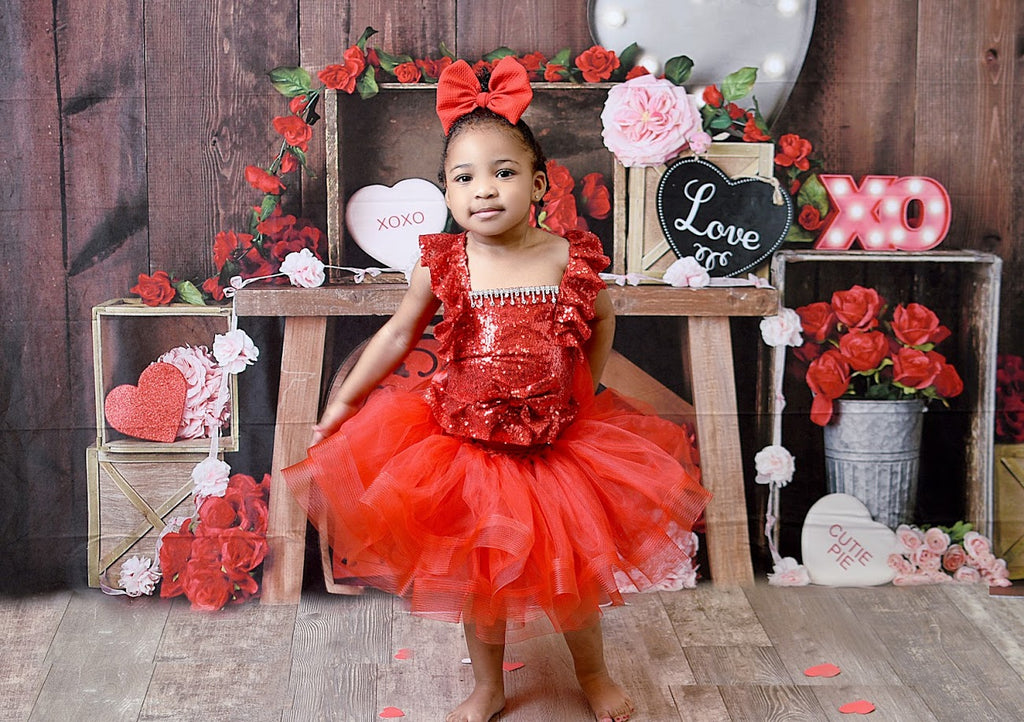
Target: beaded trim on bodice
x=512, y=296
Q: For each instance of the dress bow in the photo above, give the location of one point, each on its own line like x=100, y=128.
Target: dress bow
x=459, y=93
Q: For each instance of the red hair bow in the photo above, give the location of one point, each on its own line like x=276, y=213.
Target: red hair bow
x=458, y=91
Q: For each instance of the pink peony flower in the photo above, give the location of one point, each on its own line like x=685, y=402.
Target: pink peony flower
x=649, y=121
x=774, y=465
x=788, y=572
x=936, y=540
x=139, y=575
x=205, y=409
x=234, y=350
x=687, y=273
x=782, y=329
x=303, y=269
x=210, y=478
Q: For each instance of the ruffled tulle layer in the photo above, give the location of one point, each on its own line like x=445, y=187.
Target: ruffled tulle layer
x=467, y=532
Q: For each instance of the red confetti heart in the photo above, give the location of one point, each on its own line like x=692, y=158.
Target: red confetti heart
x=822, y=670
x=152, y=410
x=510, y=666
x=861, y=706
x=403, y=653
x=391, y=712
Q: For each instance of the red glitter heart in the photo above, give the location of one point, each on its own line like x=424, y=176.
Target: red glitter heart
x=822, y=670
x=391, y=712
x=153, y=409
x=861, y=706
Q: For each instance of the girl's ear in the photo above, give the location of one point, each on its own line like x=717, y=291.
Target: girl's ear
x=540, y=184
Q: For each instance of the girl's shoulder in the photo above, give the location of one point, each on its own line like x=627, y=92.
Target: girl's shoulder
x=586, y=249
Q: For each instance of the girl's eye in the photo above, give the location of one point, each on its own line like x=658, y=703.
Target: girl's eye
x=461, y=178
x=506, y=173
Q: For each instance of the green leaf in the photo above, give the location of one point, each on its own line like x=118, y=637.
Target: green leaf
x=798, y=234
x=367, y=83
x=268, y=205
x=678, y=69
x=720, y=121
x=445, y=50
x=563, y=57
x=389, y=62
x=291, y=82
x=739, y=84
x=188, y=293
x=627, y=59
x=498, y=54
x=367, y=34
x=812, y=193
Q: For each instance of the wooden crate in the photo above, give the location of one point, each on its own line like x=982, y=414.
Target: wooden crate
x=962, y=288
x=131, y=497
x=396, y=135
x=127, y=336
x=640, y=244
x=1008, y=500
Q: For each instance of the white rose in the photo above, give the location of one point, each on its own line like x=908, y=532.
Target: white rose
x=782, y=329
x=303, y=269
x=210, y=478
x=234, y=350
x=775, y=465
x=687, y=272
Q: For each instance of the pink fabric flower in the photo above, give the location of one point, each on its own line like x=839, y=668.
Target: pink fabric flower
x=138, y=576
x=782, y=329
x=687, y=273
x=234, y=350
x=788, y=572
x=303, y=269
x=774, y=465
x=210, y=478
x=205, y=409
x=648, y=121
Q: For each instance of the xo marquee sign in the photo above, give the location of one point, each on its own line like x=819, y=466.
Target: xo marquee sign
x=730, y=225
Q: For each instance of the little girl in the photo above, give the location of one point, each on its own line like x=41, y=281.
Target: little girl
x=505, y=495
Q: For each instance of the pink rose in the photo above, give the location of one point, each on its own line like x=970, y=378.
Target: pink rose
x=936, y=540
x=976, y=545
x=954, y=558
x=234, y=350
x=997, y=575
x=926, y=559
x=900, y=564
x=774, y=465
x=912, y=580
x=303, y=269
x=966, y=575
x=687, y=273
x=648, y=121
x=910, y=538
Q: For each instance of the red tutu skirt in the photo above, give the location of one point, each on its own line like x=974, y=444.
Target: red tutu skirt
x=527, y=539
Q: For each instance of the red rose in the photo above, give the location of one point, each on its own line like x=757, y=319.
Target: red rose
x=793, y=151
x=713, y=96
x=817, y=321
x=289, y=163
x=174, y=552
x=596, y=198
x=263, y=181
x=533, y=63
x=916, y=325
x=828, y=377
x=735, y=112
x=864, y=350
x=947, y=382
x=216, y=513
x=857, y=307
x=636, y=71
x=275, y=223
x=155, y=290
x=432, y=68
x=1010, y=418
x=482, y=67
x=207, y=587
x=227, y=244
x=295, y=130
x=297, y=105
x=343, y=76
x=597, y=63
x=560, y=214
x=914, y=369
x=752, y=132
x=554, y=73
x=407, y=73
x=212, y=286
x=242, y=551
x=810, y=218
x=809, y=351
x=560, y=182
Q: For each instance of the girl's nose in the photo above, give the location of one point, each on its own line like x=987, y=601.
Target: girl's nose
x=485, y=189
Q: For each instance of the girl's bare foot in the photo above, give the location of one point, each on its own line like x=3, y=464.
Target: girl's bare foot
x=484, y=702
x=607, y=700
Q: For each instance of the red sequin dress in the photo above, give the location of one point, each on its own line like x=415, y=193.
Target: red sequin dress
x=506, y=490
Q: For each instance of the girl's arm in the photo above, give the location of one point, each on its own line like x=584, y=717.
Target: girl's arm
x=602, y=329
x=383, y=353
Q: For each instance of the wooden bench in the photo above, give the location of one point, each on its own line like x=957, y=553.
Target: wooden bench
x=707, y=361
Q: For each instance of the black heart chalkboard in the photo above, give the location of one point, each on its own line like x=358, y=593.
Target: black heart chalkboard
x=730, y=225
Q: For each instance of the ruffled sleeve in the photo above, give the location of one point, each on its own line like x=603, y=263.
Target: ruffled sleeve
x=580, y=287
x=442, y=255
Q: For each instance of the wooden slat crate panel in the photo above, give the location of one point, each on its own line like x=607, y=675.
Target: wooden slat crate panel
x=131, y=497
x=127, y=337
x=1008, y=492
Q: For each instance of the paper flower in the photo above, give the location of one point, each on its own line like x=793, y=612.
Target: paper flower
x=303, y=269
x=687, y=273
x=234, y=350
x=774, y=465
x=205, y=407
x=788, y=572
x=782, y=329
x=210, y=478
x=648, y=121
x=139, y=575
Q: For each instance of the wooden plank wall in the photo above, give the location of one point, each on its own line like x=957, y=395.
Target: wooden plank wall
x=128, y=126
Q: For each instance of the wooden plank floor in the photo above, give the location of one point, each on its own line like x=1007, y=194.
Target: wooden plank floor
x=926, y=653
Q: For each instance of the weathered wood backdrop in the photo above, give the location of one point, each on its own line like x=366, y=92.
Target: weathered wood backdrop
x=127, y=126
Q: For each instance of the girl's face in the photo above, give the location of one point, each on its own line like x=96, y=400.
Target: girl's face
x=490, y=182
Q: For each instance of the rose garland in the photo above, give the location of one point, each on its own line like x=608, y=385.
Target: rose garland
x=271, y=236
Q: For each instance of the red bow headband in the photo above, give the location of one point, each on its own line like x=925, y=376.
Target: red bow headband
x=458, y=91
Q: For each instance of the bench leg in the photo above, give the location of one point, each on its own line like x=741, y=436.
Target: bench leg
x=714, y=397
x=297, y=404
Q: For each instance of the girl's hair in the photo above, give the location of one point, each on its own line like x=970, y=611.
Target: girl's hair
x=481, y=117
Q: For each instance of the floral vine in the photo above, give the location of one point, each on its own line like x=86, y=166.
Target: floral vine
x=271, y=235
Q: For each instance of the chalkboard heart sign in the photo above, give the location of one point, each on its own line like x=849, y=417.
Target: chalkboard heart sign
x=730, y=225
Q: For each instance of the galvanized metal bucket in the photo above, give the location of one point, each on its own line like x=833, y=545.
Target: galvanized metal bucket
x=872, y=452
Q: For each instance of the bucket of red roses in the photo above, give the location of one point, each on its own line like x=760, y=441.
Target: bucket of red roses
x=872, y=374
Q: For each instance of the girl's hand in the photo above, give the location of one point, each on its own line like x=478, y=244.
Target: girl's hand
x=334, y=416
